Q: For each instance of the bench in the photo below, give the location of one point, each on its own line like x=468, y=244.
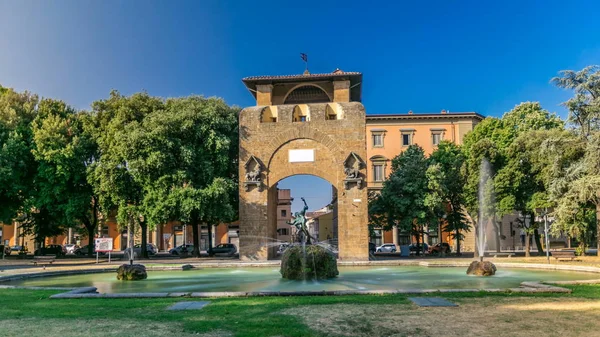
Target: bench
x=45, y=259
x=503, y=255
x=565, y=255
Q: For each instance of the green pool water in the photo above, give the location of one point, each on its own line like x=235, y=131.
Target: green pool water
x=269, y=279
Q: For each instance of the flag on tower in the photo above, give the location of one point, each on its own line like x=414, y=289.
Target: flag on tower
x=304, y=57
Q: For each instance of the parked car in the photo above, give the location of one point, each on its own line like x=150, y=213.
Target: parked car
x=440, y=247
x=84, y=251
x=70, y=248
x=386, y=248
x=179, y=250
x=224, y=248
x=14, y=249
x=137, y=249
x=422, y=248
x=57, y=250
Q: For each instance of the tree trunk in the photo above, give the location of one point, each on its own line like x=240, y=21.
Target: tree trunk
x=144, y=245
x=209, y=249
x=423, y=238
x=458, y=242
x=195, y=237
x=418, y=239
x=90, y=228
x=538, y=242
x=527, y=246
x=598, y=227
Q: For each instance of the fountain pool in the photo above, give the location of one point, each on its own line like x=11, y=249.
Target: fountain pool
x=269, y=279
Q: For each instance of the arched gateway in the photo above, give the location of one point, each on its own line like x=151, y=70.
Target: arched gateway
x=324, y=139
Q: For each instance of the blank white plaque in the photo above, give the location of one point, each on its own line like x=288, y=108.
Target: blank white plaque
x=301, y=156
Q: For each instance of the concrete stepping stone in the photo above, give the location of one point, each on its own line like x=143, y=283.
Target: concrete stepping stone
x=432, y=302
x=188, y=305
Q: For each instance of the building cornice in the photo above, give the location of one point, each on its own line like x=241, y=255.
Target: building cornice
x=453, y=115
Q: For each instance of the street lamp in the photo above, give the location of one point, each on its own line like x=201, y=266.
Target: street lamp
x=544, y=212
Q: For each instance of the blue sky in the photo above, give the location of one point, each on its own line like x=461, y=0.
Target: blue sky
x=423, y=56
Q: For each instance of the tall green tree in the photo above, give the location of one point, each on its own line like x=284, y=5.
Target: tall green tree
x=63, y=149
x=112, y=177
x=446, y=183
x=405, y=200
x=494, y=140
x=579, y=183
x=17, y=165
x=182, y=158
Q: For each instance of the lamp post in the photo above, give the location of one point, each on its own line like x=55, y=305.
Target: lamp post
x=544, y=212
x=546, y=235
x=130, y=240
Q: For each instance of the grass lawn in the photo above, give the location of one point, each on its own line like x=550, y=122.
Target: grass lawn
x=32, y=313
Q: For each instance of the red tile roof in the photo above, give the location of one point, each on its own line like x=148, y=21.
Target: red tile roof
x=301, y=76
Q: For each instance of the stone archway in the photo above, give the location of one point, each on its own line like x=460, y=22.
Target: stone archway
x=270, y=152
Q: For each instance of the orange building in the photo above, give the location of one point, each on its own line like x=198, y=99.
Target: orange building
x=389, y=135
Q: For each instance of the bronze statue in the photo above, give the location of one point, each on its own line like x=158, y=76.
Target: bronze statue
x=299, y=221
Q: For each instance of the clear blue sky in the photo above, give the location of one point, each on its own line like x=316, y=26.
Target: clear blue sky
x=423, y=56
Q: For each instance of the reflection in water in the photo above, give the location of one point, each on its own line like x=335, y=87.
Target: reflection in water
x=269, y=279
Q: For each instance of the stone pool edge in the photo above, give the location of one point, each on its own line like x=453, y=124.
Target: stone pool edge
x=91, y=292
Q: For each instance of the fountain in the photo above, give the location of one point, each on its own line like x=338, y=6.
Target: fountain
x=486, y=203
x=302, y=262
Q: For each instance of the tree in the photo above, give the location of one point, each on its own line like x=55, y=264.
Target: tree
x=405, y=200
x=181, y=157
x=513, y=186
x=584, y=107
x=17, y=165
x=113, y=179
x=446, y=183
x=63, y=149
x=578, y=184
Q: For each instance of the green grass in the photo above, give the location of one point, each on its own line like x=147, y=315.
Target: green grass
x=32, y=313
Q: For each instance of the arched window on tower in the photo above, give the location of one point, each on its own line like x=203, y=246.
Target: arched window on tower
x=269, y=114
x=301, y=113
x=333, y=111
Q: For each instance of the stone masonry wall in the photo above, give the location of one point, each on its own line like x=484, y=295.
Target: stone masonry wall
x=333, y=141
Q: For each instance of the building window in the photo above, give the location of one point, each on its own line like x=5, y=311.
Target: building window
x=406, y=139
x=282, y=231
x=378, y=173
x=378, y=140
x=437, y=135
x=407, y=136
x=436, y=138
x=379, y=163
x=283, y=213
x=377, y=136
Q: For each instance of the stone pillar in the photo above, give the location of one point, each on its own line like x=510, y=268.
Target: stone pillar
x=70, y=236
x=395, y=238
x=341, y=91
x=263, y=94
x=16, y=233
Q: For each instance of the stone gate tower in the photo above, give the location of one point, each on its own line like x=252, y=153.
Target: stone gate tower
x=303, y=124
